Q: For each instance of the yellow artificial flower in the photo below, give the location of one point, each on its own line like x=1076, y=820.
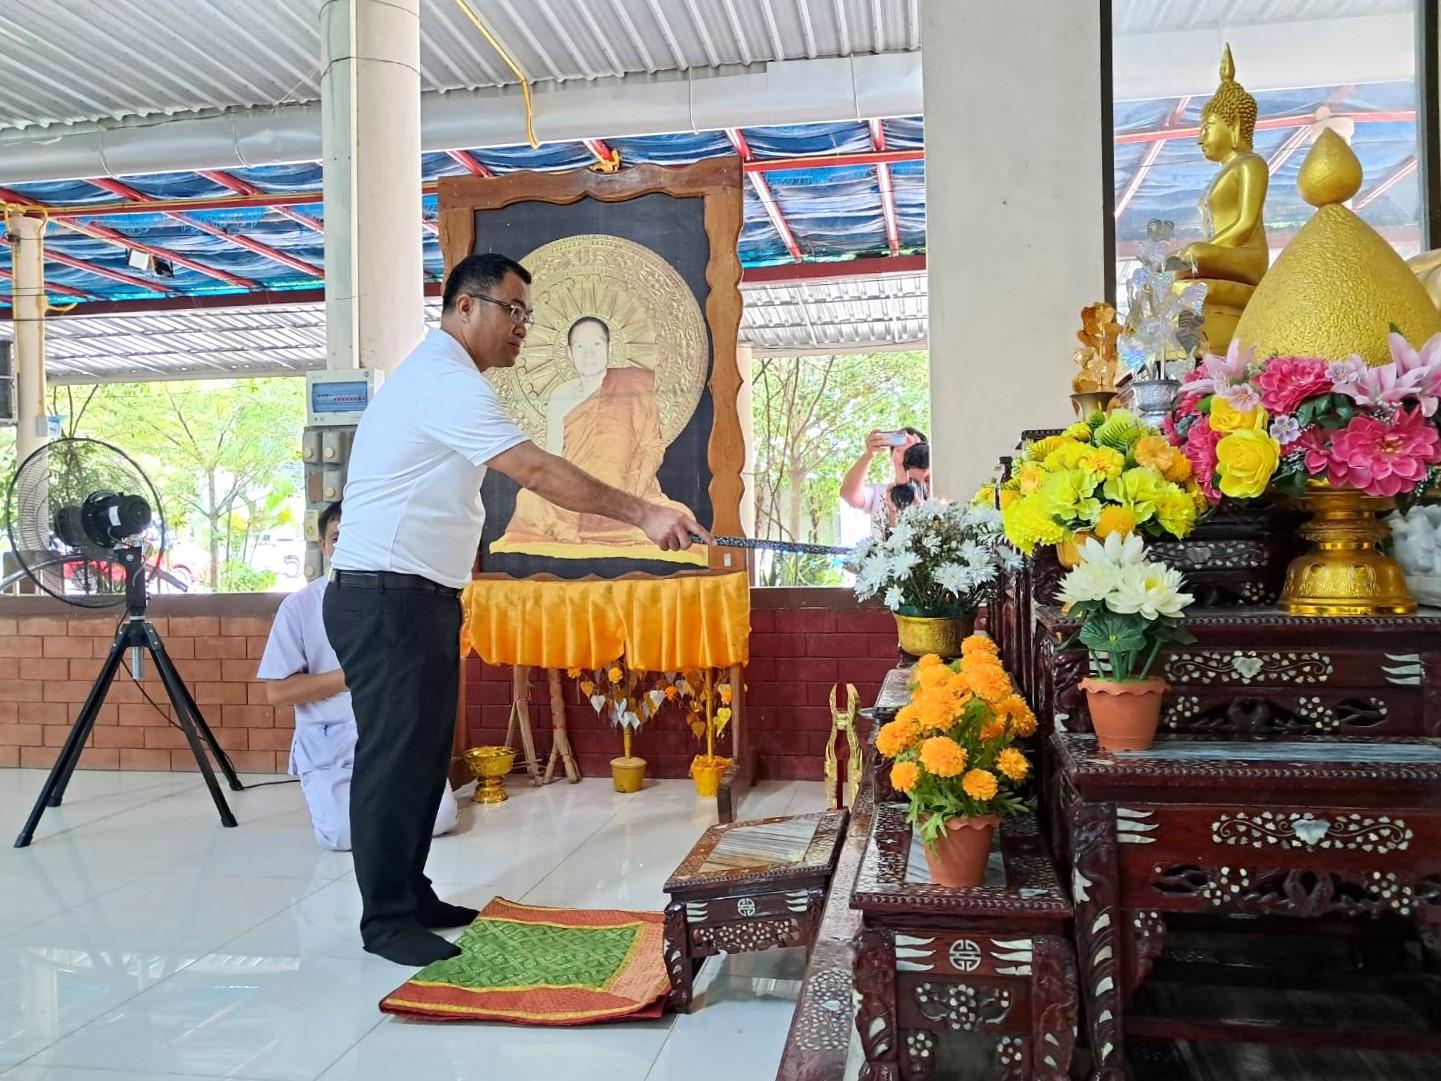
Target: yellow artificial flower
x=1176, y=512
x=985, y=496
x=1013, y=764
x=1137, y=490
x=1027, y=523
x=615, y=674
x=904, y=776
x=1009, y=496
x=1246, y=460
x=980, y=784
x=1114, y=518
x=1068, y=455
x=1038, y=450
x=1153, y=452
x=1103, y=461
x=1029, y=478
x=1080, y=430
x=1070, y=495
x=1179, y=471
x=896, y=737
x=1226, y=418
x=943, y=756
x=573, y=673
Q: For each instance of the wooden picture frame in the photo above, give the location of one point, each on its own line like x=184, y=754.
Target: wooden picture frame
x=716, y=181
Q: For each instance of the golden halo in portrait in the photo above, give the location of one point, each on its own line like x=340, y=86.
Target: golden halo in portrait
x=652, y=315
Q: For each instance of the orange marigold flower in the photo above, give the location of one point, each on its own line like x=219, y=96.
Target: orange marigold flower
x=980, y=784
x=1024, y=724
x=938, y=711
x=993, y=730
x=904, y=776
x=895, y=737
x=930, y=660
x=990, y=683
x=979, y=643
x=671, y=694
x=1013, y=764
x=1153, y=452
x=957, y=685
x=911, y=711
x=943, y=756
x=937, y=675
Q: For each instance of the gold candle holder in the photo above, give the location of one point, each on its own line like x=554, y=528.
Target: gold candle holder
x=490, y=766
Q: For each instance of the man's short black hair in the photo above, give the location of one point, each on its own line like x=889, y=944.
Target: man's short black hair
x=478, y=274
x=917, y=433
x=584, y=319
x=917, y=456
x=328, y=515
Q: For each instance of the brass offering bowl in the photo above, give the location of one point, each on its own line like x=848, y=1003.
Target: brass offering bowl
x=490, y=765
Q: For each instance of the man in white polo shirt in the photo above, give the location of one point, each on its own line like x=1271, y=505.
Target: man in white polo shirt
x=413, y=519
x=301, y=670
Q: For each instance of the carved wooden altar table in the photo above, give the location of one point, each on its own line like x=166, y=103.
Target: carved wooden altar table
x=1315, y=827
x=1259, y=673
x=749, y=886
x=994, y=960
x=670, y=624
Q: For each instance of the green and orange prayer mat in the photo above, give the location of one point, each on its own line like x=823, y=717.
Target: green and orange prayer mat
x=543, y=966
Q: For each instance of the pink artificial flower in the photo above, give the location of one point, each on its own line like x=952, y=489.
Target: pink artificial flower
x=1385, y=459
x=1241, y=397
x=1216, y=373
x=1200, y=451
x=1419, y=372
x=1315, y=444
x=1186, y=405
x=1286, y=382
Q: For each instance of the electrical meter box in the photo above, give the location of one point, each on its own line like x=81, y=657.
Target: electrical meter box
x=338, y=398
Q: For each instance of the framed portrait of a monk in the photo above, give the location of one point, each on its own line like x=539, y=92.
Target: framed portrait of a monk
x=629, y=370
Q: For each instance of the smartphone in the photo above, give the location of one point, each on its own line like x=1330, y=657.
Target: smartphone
x=895, y=439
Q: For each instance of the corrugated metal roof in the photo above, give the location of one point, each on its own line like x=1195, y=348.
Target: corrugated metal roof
x=848, y=315
x=64, y=61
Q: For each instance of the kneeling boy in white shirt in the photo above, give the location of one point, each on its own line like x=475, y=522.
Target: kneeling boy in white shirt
x=305, y=673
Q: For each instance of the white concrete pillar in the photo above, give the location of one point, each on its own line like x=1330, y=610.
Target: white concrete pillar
x=31, y=408
x=1015, y=228
x=370, y=112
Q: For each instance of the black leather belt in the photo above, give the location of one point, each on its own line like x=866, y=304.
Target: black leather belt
x=389, y=580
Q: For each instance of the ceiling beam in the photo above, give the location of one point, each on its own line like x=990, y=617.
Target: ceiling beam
x=1400, y=173
x=883, y=180
x=275, y=255
x=1272, y=123
x=1149, y=158
x=763, y=192
x=473, y=165
x=244, y=187
x=50, y=287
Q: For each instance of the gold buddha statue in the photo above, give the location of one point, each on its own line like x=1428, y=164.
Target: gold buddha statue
x=1235, y=257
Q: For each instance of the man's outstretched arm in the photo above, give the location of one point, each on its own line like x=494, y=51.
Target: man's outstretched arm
x=558, y=481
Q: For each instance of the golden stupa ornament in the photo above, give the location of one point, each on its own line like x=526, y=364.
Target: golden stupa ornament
x=1338, y=289
x=1234, y=257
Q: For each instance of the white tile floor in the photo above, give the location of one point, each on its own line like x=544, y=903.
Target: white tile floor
x=139, y=941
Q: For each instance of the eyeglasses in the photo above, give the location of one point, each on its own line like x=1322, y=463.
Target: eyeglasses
x=520, y=315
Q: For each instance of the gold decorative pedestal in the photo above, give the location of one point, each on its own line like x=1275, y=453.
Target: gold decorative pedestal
x=1087, y=403
x=920, y=635
x=1343, y=574
x=490, y=766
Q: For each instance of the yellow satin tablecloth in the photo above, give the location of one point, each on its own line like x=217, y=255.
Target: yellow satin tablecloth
x=658, y=624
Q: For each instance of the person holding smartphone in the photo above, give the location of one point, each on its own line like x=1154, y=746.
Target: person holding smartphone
x=875, y=499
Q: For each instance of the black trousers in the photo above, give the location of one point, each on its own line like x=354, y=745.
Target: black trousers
x=400, y=651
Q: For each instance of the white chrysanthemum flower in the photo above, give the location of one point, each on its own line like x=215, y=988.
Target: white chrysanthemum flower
x=952, y=577
x=894, y=600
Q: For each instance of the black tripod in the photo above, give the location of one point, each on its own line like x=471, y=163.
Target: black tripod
x=135, y=633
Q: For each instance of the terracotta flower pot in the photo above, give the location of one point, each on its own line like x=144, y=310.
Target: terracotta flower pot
x=1125, y=715
x=958, y=858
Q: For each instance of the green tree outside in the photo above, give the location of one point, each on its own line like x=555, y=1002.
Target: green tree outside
x=810, y=419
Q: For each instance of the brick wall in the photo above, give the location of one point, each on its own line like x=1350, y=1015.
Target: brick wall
x=803, y=642
x=49, y=661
